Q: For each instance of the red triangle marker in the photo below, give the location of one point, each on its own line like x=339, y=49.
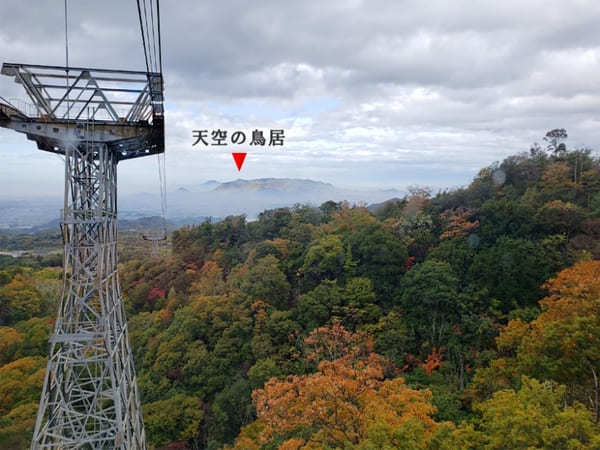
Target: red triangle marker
x=239, y=159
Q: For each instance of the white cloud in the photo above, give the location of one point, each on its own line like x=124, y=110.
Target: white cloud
x=371, y=93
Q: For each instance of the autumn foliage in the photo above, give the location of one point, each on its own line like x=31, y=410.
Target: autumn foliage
x=458, y=223
x=563, y=342
x=347, y=403
x=433, y=361
x=468, y=319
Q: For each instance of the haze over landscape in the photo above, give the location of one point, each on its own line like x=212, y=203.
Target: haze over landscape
x=192, y=204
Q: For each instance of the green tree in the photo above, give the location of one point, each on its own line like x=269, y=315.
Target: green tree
x=177, y=418
x=323, y=261
x=532, y=417
x=264, y=280
x=380, y=256
x=316, y=307
x=430, y=302
x=359, y=303
x=513, y=270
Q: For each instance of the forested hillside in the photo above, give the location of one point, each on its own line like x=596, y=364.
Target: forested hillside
x=465, y=319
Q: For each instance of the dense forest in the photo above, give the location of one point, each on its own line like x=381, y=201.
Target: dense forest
x=466, y=319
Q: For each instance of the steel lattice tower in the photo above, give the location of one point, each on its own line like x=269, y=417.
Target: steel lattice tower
x=90, y=398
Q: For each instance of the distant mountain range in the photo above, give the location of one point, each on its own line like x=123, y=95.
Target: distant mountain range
x=195, y=204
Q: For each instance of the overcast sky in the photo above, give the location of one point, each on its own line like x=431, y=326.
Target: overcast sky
x=370, y=93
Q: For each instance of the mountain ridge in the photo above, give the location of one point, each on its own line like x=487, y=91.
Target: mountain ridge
x=206, y=199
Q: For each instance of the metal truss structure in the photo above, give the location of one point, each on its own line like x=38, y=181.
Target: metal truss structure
x=125, y=106
x=156, y=240
x=95, y=118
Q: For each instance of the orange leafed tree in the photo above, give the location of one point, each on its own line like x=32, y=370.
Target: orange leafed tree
x=334, y=342
x=457, y=223
x=346, y=403
x=433, y=362
x=574, y=291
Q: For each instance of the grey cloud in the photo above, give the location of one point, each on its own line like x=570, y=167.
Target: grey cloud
x=412, y=83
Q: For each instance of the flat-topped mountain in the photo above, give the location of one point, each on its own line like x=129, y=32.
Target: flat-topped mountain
x=193, y=203
x=288, y=185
